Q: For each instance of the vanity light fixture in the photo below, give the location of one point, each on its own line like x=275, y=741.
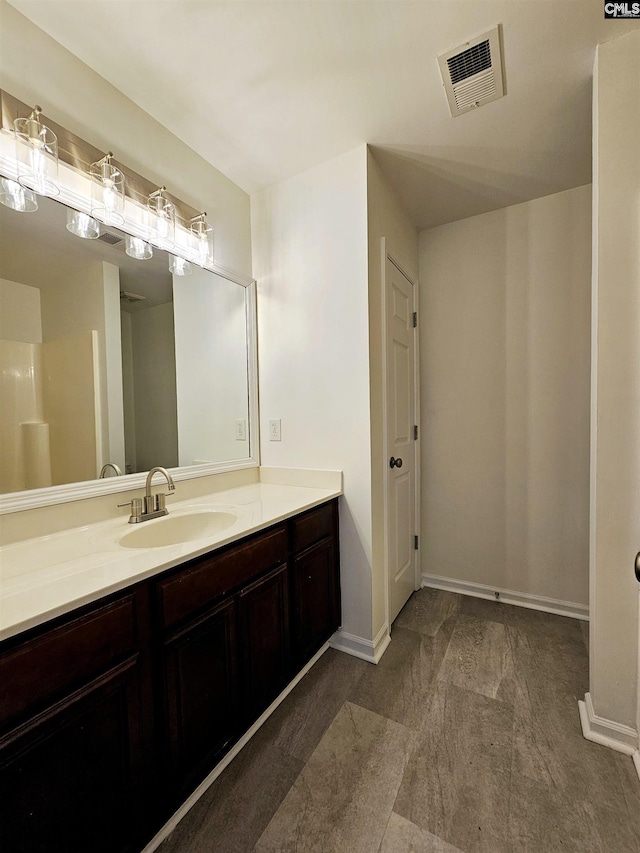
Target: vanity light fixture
x=138, y=248
x=82, y=225
x=16, y=197
x=178, y=266
x=36, y=154
x=201, y=240
x=162, y=222
x=107, y=191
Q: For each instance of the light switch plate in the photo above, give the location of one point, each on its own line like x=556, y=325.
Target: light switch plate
x=275, y=433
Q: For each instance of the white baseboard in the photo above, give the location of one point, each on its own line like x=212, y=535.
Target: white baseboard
x=360, y=647
x=636, y=761
x=509, y=596
x=173, y=821
x=607, y=732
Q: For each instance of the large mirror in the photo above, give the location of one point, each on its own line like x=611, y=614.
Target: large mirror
x=111, y=359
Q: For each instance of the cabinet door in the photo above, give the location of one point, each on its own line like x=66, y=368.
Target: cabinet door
x=71, y=778
x=264, y=615
x=315, y=583
x=201, y=696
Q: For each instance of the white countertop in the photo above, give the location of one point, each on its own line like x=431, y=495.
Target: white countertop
x=46, y=576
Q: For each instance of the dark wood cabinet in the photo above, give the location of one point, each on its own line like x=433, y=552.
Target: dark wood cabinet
x=316, y=614
x=73, y=751
x=112, y=715
x=264, y=619
x=200, y=697
x=221, y=630
x=315, y=580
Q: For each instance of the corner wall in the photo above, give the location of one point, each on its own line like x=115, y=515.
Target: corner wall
x=386, y=218
x=310, y=261
x=504, y=337
x=615, y=411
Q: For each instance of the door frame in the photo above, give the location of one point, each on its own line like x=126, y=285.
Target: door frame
x=387, y=254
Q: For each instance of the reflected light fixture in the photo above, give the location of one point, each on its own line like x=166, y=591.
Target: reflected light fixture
x=16, y=197
x=178, y=266
x=162, y=222
x=138, y=248
x=107, y=191
x=82, y=225
x=201, y=240
x=36, y=154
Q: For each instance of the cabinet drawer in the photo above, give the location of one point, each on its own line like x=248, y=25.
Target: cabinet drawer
x=39, y=669
x=312, y=526
x=194, y=588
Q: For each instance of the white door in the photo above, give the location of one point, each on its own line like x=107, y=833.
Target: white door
x=400, y=440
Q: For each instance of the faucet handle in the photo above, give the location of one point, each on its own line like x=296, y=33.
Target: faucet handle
x=136, y=507
x=160, y=500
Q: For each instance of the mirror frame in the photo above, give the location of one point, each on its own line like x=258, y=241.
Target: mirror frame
x=73, y=193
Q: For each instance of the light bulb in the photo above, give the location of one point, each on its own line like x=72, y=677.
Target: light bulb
x=178, y=266
x=82, y=225
x=107, y=191
x=17, y=197
x=201, y=240
x=162, y=220
x=138, y=248
x=36, y=154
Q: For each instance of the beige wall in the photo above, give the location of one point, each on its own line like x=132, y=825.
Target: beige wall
x=310, y=261
x=615, y=450
x=504, y=338
x=36, y=69
x=386, y=218
x=72, y=392
x=20, y=317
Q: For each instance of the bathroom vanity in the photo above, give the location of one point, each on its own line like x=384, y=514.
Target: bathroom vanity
x=114, y=712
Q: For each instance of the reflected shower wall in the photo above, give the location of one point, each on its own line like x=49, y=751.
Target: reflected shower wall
x=24, y=449
x=46, y=438
x=44, y=441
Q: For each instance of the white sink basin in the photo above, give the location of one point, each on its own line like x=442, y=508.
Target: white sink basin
x=176, y=529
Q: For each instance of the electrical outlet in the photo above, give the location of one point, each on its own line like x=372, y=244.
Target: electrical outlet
x=241, y=430
x=275, y=430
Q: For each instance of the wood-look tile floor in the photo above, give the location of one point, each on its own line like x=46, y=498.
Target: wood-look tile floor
x=465, y=737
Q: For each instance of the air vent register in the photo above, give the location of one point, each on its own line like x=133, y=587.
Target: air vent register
x=472, y=73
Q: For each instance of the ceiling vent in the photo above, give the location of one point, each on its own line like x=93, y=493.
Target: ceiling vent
x=125, y=296
x=472, y=73
x=111, y=239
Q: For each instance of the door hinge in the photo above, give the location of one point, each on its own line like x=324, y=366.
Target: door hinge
x=416, y=543
x=415, y=432
x=415, y=319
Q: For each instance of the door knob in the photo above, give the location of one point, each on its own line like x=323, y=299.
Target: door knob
x=395, y=463
x=637, y=566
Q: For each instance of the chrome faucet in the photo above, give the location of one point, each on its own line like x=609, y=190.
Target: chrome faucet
x=152, y=506
x=106, y=466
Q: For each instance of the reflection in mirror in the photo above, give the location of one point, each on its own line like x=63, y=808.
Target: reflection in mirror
x=109, y=359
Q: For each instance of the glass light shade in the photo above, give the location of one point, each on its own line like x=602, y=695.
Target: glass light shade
x=36, y=155
x=82, y=225
x=107, y=192
x=162, y=220
x=138, y=248
x=201, y=241
x=178, y=266
x=16, y=197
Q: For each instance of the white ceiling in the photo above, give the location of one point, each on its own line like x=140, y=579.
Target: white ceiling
x=265, y=89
